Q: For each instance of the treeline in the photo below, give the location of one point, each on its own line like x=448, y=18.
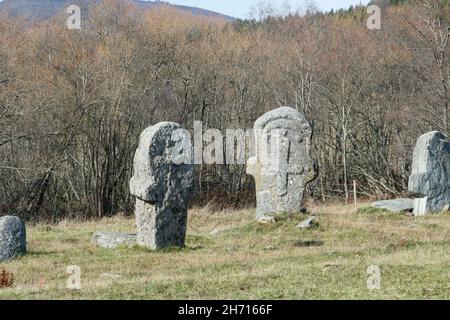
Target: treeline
x=73, y=102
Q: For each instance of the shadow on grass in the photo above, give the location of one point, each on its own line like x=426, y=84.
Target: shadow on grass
x=174, y=249
x=309, y=243
x=282, y=222
x=38, y=253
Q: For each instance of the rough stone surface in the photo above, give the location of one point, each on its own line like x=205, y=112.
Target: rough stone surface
x=162, y=189
x=309, y=223
x=396, y=205
x=112, y=240
x=12, y=238
x=430, y=174
x=282, y=165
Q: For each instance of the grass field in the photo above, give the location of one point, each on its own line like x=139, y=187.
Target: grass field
x=242, y=259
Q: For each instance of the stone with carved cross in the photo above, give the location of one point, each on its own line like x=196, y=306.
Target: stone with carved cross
x=282, y=166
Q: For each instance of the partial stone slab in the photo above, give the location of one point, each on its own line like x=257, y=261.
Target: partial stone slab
x=430, y=173
x=309, y=223
x=12, y=238
x=396, y=205
x=113, y=240
x=266, y=219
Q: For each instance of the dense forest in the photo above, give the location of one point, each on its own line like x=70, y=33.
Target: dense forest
x=73, y=102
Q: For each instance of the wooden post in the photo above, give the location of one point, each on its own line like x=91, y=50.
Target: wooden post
x=354, y=193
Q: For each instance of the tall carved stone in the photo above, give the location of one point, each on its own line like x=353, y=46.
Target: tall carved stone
x=12, y=238
x=282, y=166
x=162, y=189
x=430, y=174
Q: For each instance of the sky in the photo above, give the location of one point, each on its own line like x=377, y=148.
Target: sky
x=241, y=8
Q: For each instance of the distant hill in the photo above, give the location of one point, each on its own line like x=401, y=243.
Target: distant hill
x=43, y=9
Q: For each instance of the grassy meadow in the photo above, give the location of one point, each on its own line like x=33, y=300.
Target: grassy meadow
x=230, y=256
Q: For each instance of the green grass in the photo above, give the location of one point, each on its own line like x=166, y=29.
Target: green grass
x=246, y=260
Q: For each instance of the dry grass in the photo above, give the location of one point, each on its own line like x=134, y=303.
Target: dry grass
x=246, y=260
x=6, y=278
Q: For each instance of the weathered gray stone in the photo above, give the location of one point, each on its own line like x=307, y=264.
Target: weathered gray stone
x=12, y=238
x=396, y=205
x=430, y=174
x=309, y=223
x=282, y=166
x=113, y=240
x=161, y=187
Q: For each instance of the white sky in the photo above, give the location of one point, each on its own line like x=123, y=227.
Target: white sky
x=241, y=8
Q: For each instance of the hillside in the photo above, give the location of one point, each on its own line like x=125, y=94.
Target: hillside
x=44, y=9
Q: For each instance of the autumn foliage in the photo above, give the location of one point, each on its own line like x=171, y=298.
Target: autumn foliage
x=73, y=102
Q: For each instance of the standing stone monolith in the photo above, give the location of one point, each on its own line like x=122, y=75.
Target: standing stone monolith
x=282, y=165
x=12, y=238
x=162, y=188
x=430, y=174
